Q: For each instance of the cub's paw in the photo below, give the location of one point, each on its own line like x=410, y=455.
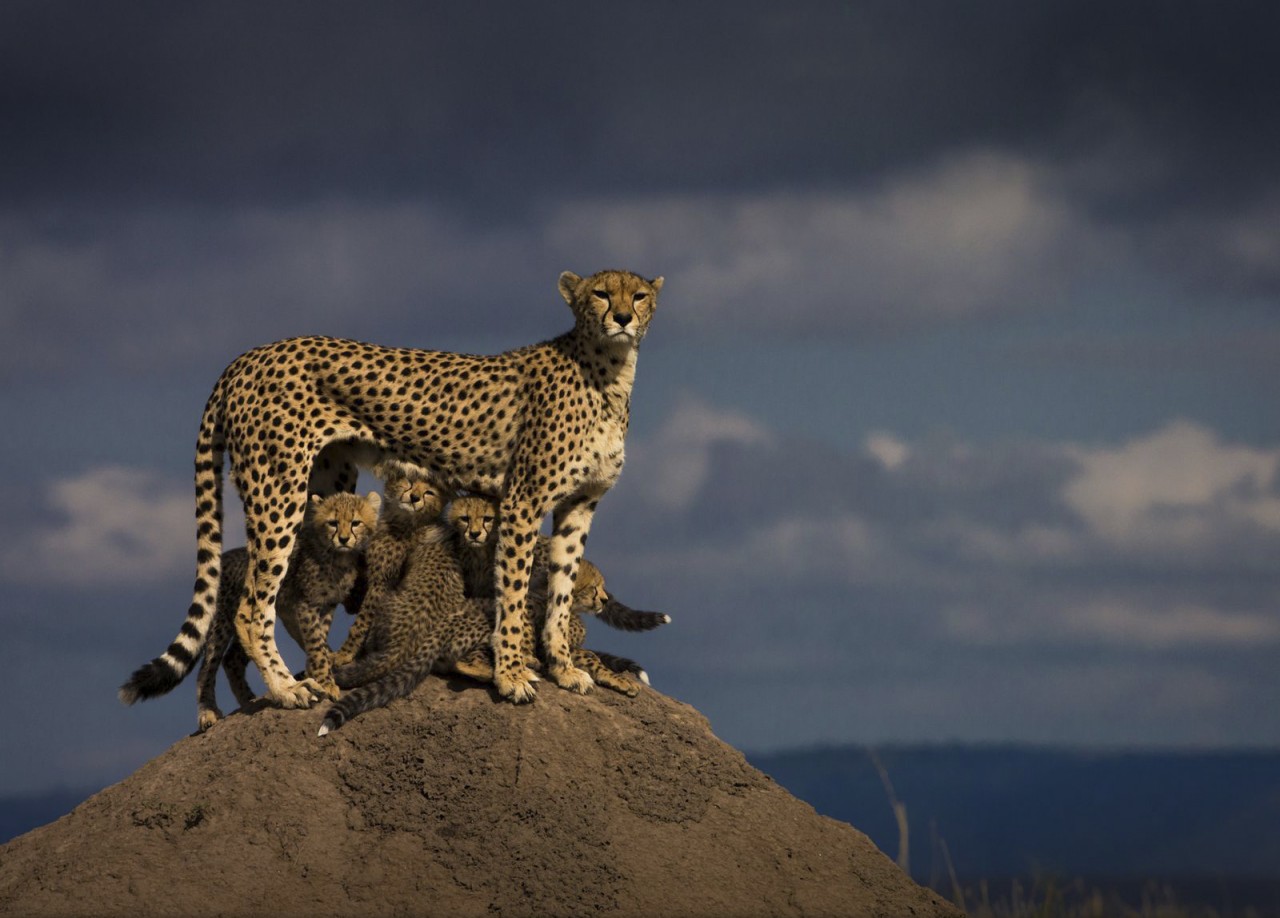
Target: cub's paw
x=573, y=679
x=516, y=687
x=208, y=717
x=619, y=684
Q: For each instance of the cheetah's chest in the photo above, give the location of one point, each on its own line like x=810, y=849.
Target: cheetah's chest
x=604, y=450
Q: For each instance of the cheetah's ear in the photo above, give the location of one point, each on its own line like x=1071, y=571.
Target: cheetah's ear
x=656, y=284
x=569, y=286
x=374, y=500
x=316, y=500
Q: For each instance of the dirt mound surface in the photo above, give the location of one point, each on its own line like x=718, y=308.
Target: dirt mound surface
x=454, y=803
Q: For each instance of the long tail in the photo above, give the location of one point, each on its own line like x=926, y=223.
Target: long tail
x=622, y=665
x=396, y=684
x=164, y=672
x=624, y=618
x=365, y=669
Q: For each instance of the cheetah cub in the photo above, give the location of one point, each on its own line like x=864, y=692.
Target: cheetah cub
x=323, y=569
x=427, y=621
x=411, y=503
x=472, y=518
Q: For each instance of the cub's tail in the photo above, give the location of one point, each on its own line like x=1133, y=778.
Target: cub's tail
x=622, y=665
x=396, y=684
x=624, y=618
x=171, y=667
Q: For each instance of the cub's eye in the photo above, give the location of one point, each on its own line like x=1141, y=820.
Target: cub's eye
x=488, y=520
x=600, y=294
x=465, y=520
x=639, y=296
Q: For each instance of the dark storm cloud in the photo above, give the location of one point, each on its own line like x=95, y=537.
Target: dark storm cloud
x=495, y=105
x=223, y=174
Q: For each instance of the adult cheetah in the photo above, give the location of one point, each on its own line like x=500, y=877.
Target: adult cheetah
x=540, y=428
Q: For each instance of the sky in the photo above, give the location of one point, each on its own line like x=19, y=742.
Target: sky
x=958, y=420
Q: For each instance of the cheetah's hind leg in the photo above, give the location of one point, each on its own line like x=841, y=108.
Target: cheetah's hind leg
x=622, y=665
x=603, y=675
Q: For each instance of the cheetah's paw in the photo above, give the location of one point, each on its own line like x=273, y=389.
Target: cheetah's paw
x=297, y=694
x=573, y=679
x=517, y=688
x=208, y=717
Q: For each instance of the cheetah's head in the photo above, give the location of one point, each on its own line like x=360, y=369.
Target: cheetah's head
x=474, y=519
x=614, y=305
x=343, y=522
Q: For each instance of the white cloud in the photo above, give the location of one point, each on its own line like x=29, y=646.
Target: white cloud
x=843, y=549
x=677, y=459
x=108, y=526
x=1174, y=489
x=1180, y=624
x=1092, y=618
x=1123, y=546
x=888, y=450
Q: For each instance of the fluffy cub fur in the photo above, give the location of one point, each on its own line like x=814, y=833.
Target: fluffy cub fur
x=425, y=622
x=471, y=518
x=411, y=503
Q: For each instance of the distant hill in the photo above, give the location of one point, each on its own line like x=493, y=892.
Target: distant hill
x=1015, y=811
x=453, y=802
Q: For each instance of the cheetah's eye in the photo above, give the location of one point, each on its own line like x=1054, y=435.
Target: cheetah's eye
x=488, y=521
x=639, y=296
x=601, y=294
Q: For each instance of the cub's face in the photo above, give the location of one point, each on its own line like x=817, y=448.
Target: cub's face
x=344, y=522
x=589, y=594
x=474, y=519
x=618, y=305
x=415, y=496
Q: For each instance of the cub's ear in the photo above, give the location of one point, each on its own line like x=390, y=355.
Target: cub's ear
x=656, y=284
x=374, y=500
x=316, y=500
x=569, y=286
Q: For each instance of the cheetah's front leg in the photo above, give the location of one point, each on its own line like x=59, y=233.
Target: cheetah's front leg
x=571, y=521
x=255, y=627
x=313, y=626
x=517, y=534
